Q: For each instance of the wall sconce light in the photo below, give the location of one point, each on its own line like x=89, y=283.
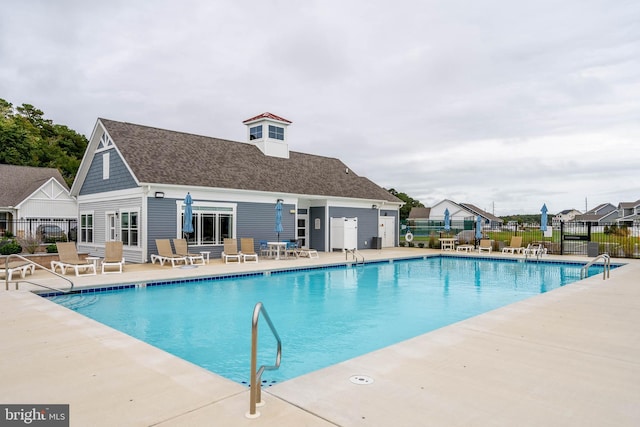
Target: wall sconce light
x=292, y=211
x=159, y=195
x=374, y=206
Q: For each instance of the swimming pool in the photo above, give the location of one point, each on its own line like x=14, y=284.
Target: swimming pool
x=324, y=316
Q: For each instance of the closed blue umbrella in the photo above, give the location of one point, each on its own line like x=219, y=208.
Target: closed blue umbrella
x=447, y=221
x=478, y=227
x=543, y=218
x=278, y=227
x=187, y=224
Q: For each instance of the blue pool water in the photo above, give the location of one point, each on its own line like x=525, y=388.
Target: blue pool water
x=323, y=316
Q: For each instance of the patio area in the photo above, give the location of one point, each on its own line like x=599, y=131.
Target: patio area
x=570, y=357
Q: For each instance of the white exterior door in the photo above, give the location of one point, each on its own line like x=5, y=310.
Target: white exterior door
x=112, y=227
x=387, y=230
x=301, y=230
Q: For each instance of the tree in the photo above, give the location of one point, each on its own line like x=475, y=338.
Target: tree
x=28, y=139
x=409, y=203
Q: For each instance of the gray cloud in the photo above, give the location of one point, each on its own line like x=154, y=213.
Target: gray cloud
x=502, y=104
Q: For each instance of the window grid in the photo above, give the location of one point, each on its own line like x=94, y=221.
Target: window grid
x=276, y=132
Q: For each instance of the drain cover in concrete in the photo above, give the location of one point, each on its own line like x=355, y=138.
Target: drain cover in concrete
x=361, y=379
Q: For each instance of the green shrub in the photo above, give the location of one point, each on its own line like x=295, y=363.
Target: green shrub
x=8, y=247
x=411, y=244
x=402, y=244
x=421, y=245
x=52, y=249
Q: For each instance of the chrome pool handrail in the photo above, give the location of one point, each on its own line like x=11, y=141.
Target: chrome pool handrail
x=606, y=259
x=34, y=283
x=256, y=375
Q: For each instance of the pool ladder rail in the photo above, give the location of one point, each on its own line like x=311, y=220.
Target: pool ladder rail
x=606, y=260
x=357, y=256
x=533, y=250
x=22, y=280
x=255, y=394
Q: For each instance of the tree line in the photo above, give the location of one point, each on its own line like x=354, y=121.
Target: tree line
x=28, y=139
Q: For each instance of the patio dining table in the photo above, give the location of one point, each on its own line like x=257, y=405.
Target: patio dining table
x=447, y=243
x=276, y=247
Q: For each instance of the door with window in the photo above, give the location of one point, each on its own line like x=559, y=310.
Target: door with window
x=301, y=228
x=112, y=227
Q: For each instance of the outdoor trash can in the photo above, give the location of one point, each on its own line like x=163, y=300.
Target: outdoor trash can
x=376, y=243
x=592, y=249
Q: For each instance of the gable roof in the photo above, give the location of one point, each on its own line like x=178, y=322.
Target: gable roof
x=159, y=156
x=267, y=116
x=476, y=210
x=19, y=182
x=596, y=214
x=628, y=205
x=419, y=213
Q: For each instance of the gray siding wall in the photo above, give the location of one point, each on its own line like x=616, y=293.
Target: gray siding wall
x=316, y=237
x=119, y=176
x=161, y=217
x=367, y=223
x=100, y=226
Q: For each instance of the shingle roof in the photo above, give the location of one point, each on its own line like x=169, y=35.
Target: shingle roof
x=628, y=205
x=168, y=157
x=19, y=182
x=476, y=210
x=419, y=213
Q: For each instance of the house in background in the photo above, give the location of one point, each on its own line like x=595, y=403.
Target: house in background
x=133, y=180
x=564, y=216
x=32, y=197
x=464, y=214
x=603, y=213
x=629, y=213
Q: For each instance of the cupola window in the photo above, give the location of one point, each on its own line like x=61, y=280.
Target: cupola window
x=276, y=132
x=255, y=132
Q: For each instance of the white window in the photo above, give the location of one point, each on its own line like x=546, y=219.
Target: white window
x=86, y=227
x=130, y=228
x=212, y=223
x=276, y=132
x=255, y=132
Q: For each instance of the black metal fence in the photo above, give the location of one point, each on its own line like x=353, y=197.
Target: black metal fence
x=569, y=238
x=41, y=231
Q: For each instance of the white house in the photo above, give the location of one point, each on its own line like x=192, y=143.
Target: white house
x=31, y=197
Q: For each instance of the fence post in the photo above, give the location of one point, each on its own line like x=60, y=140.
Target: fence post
x=561, y=237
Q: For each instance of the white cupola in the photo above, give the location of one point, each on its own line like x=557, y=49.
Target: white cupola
x=269, y=133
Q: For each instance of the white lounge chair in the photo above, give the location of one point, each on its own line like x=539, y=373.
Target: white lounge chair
x=69, y=258
x=306, y=252
x=17, y=267
x=515, y=247
x=247, y=250
x=165, y=253
x=230, y=251
x=113, y=257
x=182, y=249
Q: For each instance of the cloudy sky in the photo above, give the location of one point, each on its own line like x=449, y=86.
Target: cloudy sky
x=504, y=104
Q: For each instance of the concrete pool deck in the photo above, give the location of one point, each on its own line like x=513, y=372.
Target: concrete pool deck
x=569, y=357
